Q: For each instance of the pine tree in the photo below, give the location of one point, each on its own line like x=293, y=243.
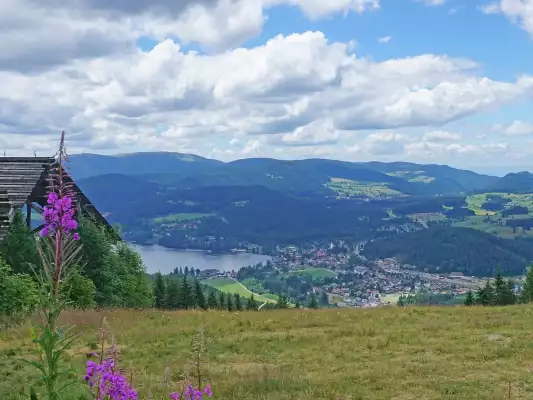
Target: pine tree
x=252, y=304
x=172, y=297
x=500, y=291
x=19, y=248
x=401, y=301
x=229, y=302
x=186, y=299
x=238, y=304
x=509, y=294
x=212, y=301
x=469, y=300
x=197, y=272
x=313, y=303
x=199, y=295
x=486, y=295
x=527, y=289
x=159, y=290
x=186, y=271
x=221, y=301
x=282, y=302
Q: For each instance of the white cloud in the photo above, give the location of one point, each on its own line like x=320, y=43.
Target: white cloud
x=440, y=136
x=432, y=2
x=79, y=68
x=290, y=86
x=519, y=12
x=516, y=128
x=384, y=39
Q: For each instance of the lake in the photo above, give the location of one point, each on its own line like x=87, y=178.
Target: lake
x=164, y=260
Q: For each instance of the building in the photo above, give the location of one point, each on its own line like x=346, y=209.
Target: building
x=456, y=275
x=23, y=186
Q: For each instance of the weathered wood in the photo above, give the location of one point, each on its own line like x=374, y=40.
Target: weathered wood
x=28, y=214
x=24, y=181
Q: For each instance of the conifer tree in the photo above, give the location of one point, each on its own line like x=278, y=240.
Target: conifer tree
x=199, y=295
x=252, y=304
x=197, y=272
x=229, y=302
x=401, y=300
x=159, y=290
x=186, y=271
x=469, y=300
x=221, y=301
x=212, y=301
x=173, y=293
x=238, y=304
x=502, y=295
x=19, y=248
x=527, y=289
x=186, y=299
x=485, y=296
x=282, y=302
x=510, y=296
x=313, y=303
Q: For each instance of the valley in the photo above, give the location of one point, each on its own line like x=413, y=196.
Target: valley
x=430, y=220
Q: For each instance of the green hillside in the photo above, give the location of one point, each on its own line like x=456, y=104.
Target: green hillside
x=230, y=285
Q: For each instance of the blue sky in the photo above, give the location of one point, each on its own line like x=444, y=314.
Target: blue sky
x=407, y=80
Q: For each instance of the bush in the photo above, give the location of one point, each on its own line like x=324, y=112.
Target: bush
x=18, y=295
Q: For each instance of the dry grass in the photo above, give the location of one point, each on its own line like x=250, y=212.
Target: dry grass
x=388, y=353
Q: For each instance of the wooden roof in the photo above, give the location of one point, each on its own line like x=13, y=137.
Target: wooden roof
x=24, y=179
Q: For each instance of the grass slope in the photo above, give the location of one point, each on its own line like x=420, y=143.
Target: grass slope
x=346, y=188
x=315, y=273
x=230, y=285
x=431, y=353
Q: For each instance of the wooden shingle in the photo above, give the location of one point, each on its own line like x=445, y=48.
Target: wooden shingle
x=24, y=180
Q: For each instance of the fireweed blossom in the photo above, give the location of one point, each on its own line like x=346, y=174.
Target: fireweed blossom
x=58, y=215
x=108, y=383
x=192, y=394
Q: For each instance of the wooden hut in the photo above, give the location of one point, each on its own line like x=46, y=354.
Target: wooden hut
x=23, y=183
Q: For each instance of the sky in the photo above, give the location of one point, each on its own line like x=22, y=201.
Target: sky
x=428, y=81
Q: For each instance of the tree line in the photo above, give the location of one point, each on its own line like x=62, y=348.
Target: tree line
x=183, y=292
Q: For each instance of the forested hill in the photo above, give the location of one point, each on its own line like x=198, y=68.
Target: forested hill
x=312, y=177
x=444, y=249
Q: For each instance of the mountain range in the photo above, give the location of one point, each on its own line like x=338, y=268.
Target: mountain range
x=187, y=201
x=302, y=178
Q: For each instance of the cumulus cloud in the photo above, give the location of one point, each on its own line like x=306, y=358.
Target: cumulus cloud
x=515, y=128
x=519, y=12
x=300, y=87
x=77, y=66
x=440, y=136
x=384, y=39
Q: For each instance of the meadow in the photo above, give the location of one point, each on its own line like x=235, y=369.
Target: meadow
x=233, y=286
x=315, y=273
x=386, y=353
x=346, y=188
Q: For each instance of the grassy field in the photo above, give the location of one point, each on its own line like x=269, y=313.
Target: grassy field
x=347, y=188
x=413, y=176
x=431, y=353
x=475, y=203
x=315, y=273
x=179, y=217
x=230, y=285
